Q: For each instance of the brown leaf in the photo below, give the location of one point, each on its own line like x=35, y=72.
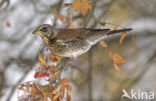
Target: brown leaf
x=55, y=91
x=77, y=5
x=68, y=97
x=83, y=5
x=40, y=87
x=45, y=96
x=62, y=91
x=34, y=86
x=56, y=96
x=64, y=81
x=122, y=37
x=68, y=87
x=27, y=86
x=49, y=95
x=43, y=92
x=135, y=43
x=8, y=24
x=41, y=96
x=59, y=16
x=116, y=58
x=33, y=92
x=116, y=67
x=42, y=60
x=103, y=44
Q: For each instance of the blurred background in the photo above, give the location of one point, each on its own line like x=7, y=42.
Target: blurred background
x=92, y=74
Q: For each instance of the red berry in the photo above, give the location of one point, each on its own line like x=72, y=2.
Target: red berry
x=47, y=74
x=42, y=74
x=36, y=74
x=49, y=88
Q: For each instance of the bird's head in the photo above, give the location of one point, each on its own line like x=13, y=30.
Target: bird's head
x=44, y=30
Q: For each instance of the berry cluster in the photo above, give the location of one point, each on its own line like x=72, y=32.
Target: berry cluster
x=38, y=75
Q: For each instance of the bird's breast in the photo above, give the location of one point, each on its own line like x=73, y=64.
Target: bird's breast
x=71, y=48
x=76, y=48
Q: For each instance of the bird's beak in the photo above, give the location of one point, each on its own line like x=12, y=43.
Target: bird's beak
x=37, y=32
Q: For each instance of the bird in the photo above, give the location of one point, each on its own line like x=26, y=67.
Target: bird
x=72, y=43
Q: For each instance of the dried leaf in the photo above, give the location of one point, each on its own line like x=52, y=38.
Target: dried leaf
x=56, y=96
x=77, y=5
x=41, y=60
x=8, y=24
x=103, y=44
x=116, y=67
x=41, y=96
x=27, y=86
x=43, y=92
x=45, y=96
x=68, y=97
x=84, y=11
x=34, y=85
x=41, y=88
x=83, y=5
x=135, y=43
x=116, y=58
x=122, y=37
x=33, y=92
x=49, y=95
x=68, y=87
x=64, y=81
x=59, y=16
x=62, y=91
x=55, y=91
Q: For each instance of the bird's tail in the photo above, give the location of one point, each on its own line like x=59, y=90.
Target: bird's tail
x=119, y=31
x=101, y=34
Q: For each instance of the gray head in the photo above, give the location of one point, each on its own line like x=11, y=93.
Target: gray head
x=44, y=30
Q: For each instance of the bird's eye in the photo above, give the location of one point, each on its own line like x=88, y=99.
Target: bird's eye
x=44, y=29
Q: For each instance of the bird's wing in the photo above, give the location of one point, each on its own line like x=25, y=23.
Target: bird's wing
x=66, y=35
